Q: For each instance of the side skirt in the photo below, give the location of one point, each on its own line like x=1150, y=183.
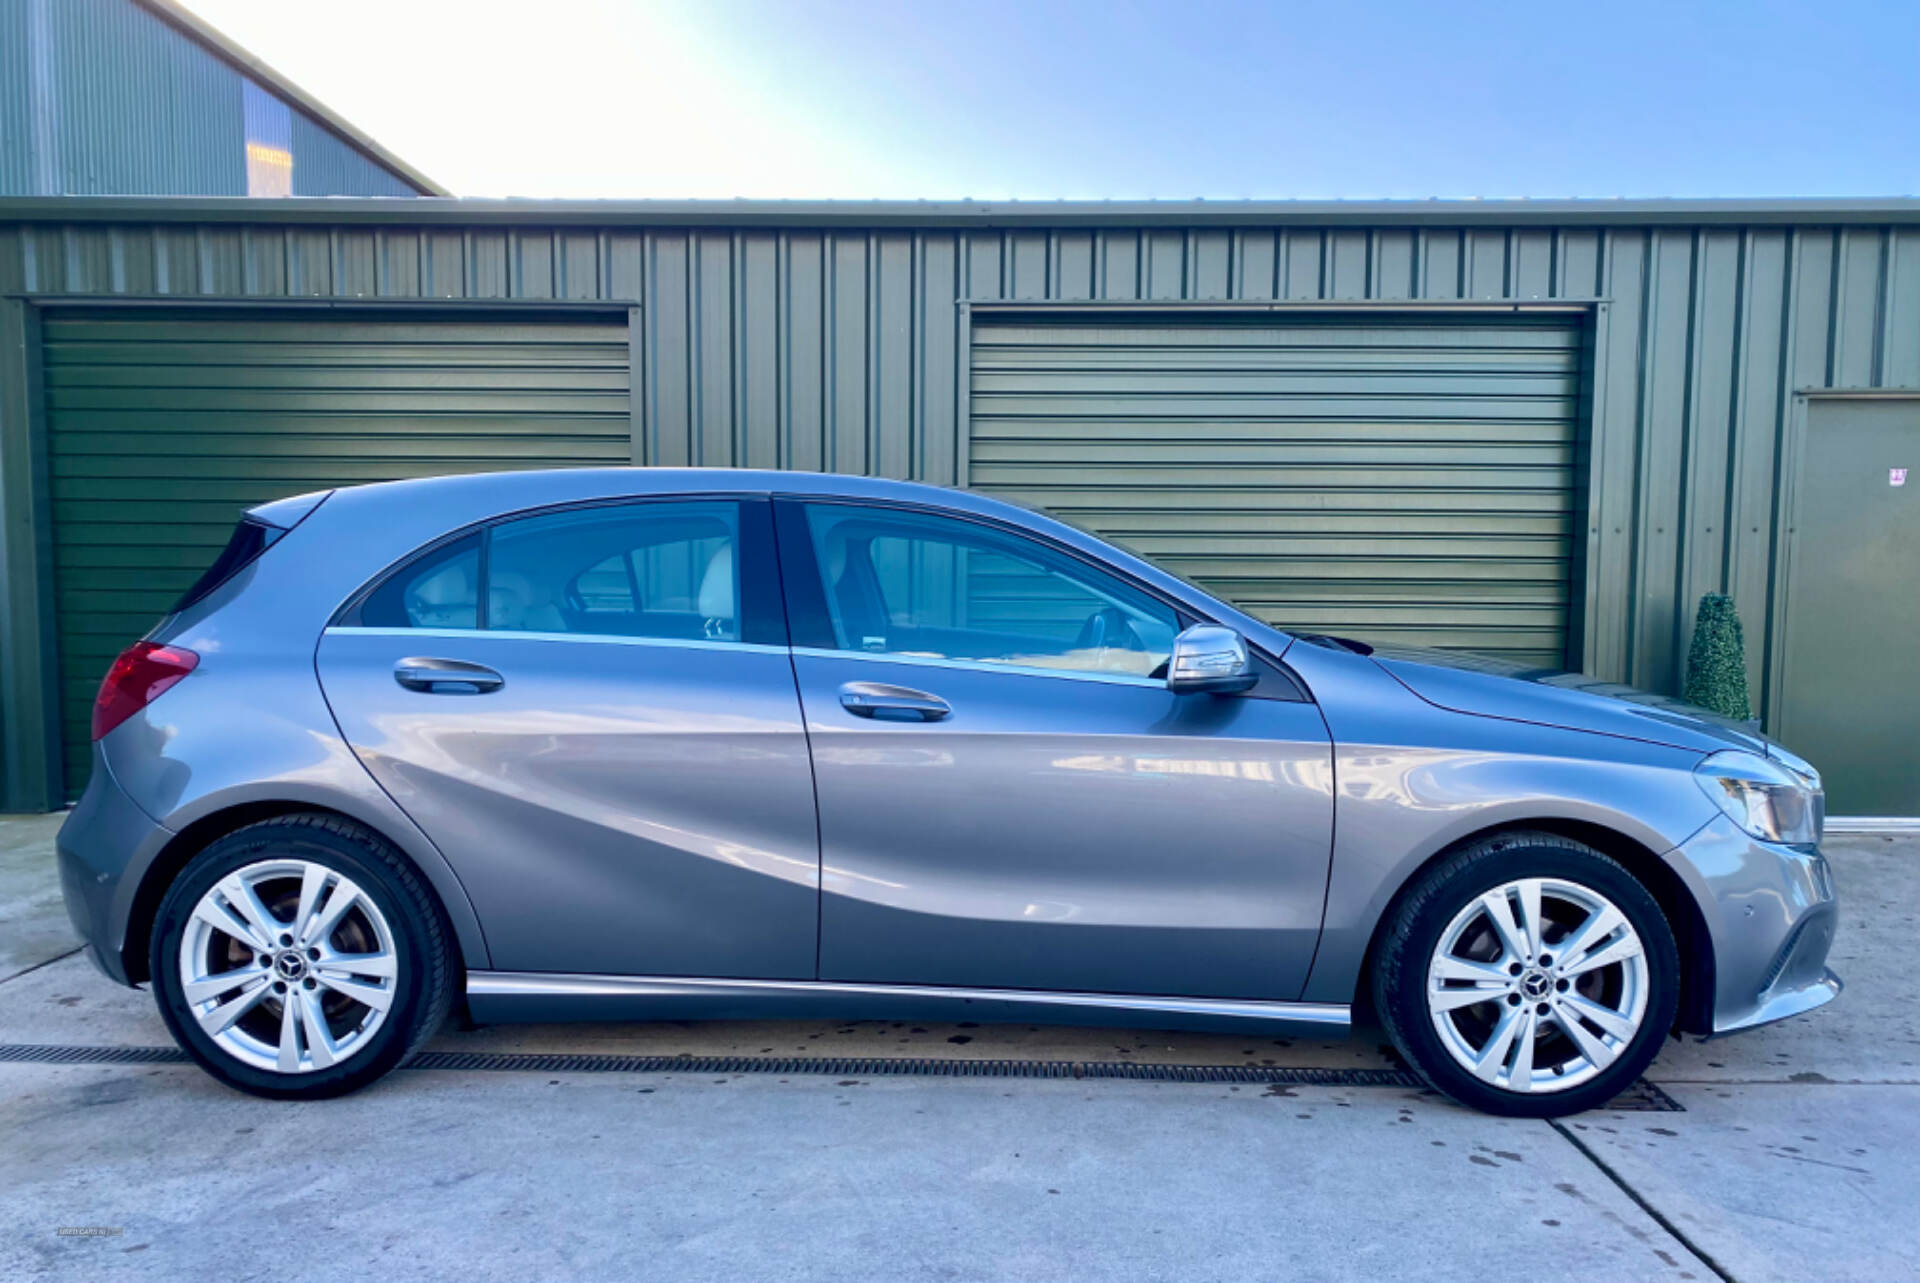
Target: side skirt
x=516, y=996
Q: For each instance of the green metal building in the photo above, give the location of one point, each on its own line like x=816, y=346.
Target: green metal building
x=1537, y=429
x=141, y=97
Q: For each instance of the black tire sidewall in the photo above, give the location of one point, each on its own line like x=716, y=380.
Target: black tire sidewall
x=1401, y=987
x=354, y=857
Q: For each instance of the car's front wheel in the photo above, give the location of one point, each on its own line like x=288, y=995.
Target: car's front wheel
x=1528, y=975
x=301, y=957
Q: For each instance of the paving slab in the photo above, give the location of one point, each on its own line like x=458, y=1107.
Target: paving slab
x=1786, y=1182
x=33, y=920
x=516, y=1176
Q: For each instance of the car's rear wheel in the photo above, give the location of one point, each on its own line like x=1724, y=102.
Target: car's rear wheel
x=301, y=957
x=1528, y=975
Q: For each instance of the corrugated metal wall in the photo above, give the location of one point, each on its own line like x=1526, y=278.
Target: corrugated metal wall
x=831, y=349
x=104, y=97
x=324, y=164
x=16, y=99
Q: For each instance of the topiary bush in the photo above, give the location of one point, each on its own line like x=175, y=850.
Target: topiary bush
x=1717, y=660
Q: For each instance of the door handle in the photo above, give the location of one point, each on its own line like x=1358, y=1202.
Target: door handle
x=892, y=703
x=446, y=676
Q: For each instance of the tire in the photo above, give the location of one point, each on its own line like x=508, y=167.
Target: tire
x=348, y=973
x=1460, y=1004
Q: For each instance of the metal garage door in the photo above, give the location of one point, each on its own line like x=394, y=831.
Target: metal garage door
x=163, y=428
x=1396, y=480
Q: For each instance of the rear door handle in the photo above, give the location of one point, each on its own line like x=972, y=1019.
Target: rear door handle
x=892, y=703
x=446, y=676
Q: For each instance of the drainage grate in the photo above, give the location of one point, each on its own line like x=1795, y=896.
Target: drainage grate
x=24, y=1054
x=1643, y=1096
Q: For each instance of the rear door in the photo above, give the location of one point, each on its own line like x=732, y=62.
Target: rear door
x=592, y=713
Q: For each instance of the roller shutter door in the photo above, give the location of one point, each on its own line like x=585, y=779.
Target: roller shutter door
x=163, y=428
x=1403, y=481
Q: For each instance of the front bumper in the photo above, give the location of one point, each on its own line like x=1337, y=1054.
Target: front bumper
x=1771, y=915
x=103, y=847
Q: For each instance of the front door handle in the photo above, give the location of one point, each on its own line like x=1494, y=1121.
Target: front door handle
x=446, y=676
x=892, y=703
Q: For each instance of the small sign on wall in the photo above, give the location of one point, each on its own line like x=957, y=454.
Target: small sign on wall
x=1896, y=476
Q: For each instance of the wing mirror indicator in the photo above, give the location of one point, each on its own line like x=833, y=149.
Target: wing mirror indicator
x=1210, y=658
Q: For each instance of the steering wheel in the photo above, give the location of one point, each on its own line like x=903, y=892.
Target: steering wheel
x=1106, y=630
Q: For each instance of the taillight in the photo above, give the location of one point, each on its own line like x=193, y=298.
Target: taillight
x=144, y=672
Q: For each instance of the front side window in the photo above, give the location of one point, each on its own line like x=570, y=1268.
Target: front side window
x=652, y=570
x=943, y=588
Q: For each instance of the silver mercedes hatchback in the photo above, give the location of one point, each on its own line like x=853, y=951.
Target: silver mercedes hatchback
x=643, y=744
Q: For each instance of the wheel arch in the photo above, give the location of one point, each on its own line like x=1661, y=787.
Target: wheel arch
x=200, y=833
x=1677, y=903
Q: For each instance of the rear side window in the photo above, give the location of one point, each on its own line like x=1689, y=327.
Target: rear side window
x=661, y=570
x=439, y=590
x=250, y=538
x=676, y=570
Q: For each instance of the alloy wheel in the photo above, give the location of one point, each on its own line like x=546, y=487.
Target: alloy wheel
x=288, y=966
x=1538, y=985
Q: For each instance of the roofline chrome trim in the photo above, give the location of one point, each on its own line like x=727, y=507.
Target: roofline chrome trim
x=548, y=984
x=603, y=639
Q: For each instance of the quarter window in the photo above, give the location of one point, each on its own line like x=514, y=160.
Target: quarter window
x=912, y=584
x=438, y=590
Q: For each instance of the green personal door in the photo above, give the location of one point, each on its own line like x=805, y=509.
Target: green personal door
x=163, y=427
x=1851, y=681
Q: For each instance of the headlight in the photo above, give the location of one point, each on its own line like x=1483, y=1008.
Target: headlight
x=1766, y=798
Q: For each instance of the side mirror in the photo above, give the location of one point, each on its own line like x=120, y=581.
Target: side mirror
x=1210, y=658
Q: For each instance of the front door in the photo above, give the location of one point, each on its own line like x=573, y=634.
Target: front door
x=591, y=712
x=1010, y=797
x=1851, y=681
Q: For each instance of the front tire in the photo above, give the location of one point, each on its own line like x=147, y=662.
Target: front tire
x=301, y=957
x=1528, y=975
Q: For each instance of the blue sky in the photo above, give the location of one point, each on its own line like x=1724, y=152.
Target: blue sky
x=1125, y=99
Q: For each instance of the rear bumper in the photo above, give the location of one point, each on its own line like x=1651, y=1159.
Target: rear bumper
x=1771, y=913
x=105, y=845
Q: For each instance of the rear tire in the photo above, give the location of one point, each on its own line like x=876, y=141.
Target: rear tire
x=1528, y=975
x=301, y=957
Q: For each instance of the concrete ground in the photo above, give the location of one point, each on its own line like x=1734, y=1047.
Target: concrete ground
x=1797, y=1155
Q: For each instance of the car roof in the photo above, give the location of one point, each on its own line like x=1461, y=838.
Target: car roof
x=541, y=486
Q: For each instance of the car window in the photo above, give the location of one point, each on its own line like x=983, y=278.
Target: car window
x=665, y=570
x=438, y=590
x=943, y=588
x=656, y=570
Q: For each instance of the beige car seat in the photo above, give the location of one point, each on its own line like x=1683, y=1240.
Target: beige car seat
x=515, y=604
x=716, y=598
